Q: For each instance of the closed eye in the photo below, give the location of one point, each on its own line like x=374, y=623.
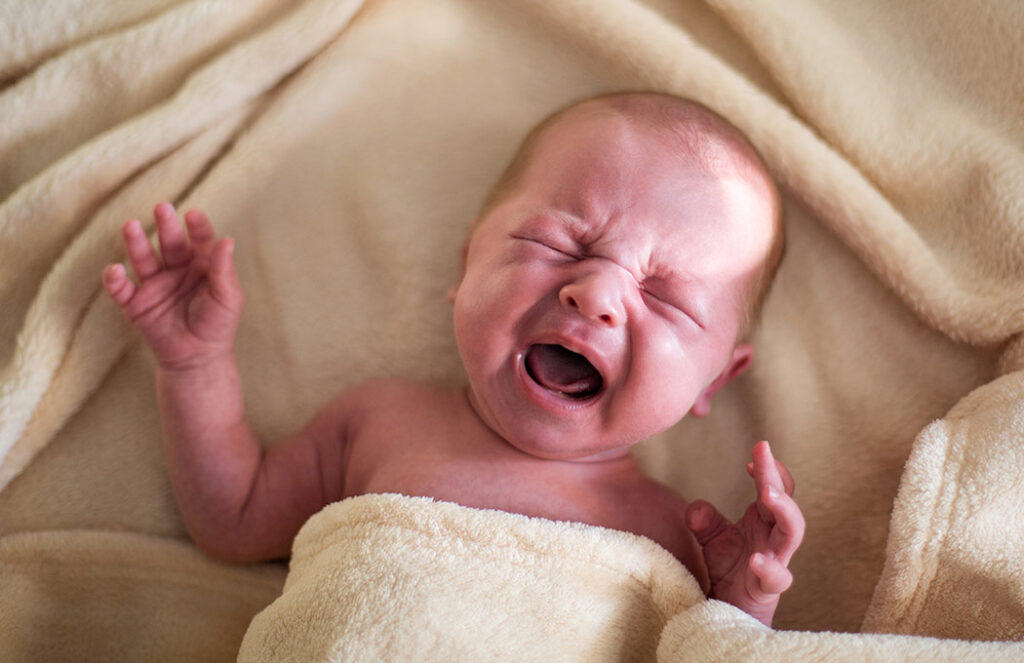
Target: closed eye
x=669, y=304
x=547, y=245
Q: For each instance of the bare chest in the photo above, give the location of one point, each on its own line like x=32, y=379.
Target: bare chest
x=437, y=452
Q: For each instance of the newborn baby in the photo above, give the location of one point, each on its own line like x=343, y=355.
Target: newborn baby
x=606, y=290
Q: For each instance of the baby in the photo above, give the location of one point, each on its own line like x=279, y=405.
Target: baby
x=605, y=292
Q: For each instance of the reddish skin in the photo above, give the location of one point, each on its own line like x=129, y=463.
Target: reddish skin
x=188, y=307
x=482, y=446
x=747, y=560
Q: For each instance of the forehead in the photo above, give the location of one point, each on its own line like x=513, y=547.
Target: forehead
x=608, y=171
x=636, y=196
x=591, y=148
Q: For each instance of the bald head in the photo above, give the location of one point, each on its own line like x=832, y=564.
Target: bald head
x=699, y=137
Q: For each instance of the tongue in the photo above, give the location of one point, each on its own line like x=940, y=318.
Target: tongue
x=559, y=369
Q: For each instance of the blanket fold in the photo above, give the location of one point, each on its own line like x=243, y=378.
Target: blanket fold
x=956, y=535
x=60, y=196
x=387, y=577
x=716, y=632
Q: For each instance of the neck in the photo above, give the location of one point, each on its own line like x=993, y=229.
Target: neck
x=617, y=457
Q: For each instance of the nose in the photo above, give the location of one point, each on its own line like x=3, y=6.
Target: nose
x=598, y=295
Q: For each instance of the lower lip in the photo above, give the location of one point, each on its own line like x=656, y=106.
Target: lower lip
x=545, y=398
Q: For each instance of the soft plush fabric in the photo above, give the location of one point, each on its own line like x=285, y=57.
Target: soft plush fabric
x=347, y=147
x=387, y=577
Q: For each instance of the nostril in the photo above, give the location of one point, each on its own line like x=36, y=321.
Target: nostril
x=571, y=301
x=606, y=319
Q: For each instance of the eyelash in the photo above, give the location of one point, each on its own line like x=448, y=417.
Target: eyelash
x=661, y=299
x=675, y=307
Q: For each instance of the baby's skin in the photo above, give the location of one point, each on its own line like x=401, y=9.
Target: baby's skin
x=598, y=305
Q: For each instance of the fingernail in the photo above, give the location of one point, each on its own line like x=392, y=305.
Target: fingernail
x=773, y=493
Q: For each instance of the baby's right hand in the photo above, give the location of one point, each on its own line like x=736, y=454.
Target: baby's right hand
x=187, y=307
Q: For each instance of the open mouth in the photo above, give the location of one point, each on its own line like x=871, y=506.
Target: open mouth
x=562, y=371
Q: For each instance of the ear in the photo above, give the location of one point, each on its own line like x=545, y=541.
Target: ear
x=742, y=355
x=463, y=254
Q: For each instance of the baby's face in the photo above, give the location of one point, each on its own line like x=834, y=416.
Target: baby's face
x=601, y=299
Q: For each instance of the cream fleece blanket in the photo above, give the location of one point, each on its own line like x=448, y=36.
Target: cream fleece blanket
x=347, y=145
x=387, y=577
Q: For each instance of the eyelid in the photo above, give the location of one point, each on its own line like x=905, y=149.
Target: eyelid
x=547, y=243
x=667, y=302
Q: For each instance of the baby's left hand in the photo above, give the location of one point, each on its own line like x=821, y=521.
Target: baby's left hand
x=747, y=560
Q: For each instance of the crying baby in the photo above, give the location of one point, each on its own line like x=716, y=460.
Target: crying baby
x=606, y=291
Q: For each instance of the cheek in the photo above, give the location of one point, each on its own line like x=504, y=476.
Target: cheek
x=671, y=372
x=500, y=291
x=485, y=311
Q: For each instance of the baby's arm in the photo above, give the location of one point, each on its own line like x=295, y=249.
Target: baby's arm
x=238, y=502
x=748, y=561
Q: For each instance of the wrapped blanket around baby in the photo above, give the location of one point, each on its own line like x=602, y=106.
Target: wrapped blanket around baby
x=389, y=577
x=386, y=577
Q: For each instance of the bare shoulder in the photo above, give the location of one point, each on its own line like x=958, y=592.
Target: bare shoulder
x=396, y=402
x=353, y=406
x=658, y=512
x=656, y=498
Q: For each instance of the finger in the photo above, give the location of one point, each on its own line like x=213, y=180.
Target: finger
x=772, y=576
x=766, y=475
x=787, y=479
x=788, y=531
x=140, y=252
x=224, y=285
x=117, y=284
x=705, y=521
x=765, y=467
x=200, y=232
x=174, y=245
x=788, y=484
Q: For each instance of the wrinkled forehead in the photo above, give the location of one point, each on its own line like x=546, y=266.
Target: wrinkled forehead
x=621, y=176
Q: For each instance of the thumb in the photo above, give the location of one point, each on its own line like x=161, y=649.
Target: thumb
x=705, y=521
